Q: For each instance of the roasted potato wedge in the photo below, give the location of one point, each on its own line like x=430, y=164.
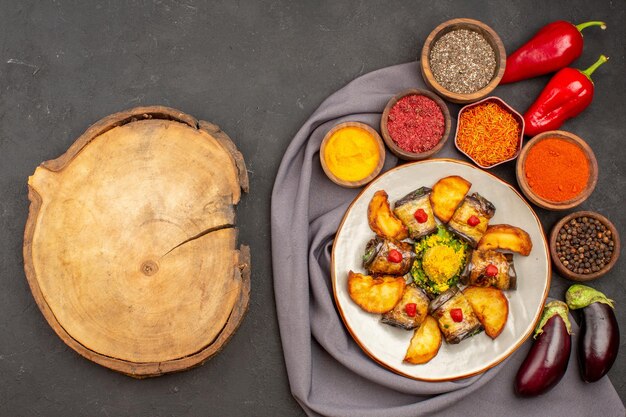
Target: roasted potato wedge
x=425, y=342
x=375, y=294
x=381, y=219
x=447, y=194
x=507, y=237
x=490, y=306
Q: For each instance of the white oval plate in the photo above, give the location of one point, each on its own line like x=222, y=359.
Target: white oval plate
x=387, y=345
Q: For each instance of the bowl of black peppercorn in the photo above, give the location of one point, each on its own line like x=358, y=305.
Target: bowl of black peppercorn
x=584, y=246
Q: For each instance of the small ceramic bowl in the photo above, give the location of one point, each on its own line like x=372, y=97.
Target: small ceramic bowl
x=381, y=152
x=401, y=153
x=562, y=205
x=563, y=271
x=518, y=117
x=469, y=24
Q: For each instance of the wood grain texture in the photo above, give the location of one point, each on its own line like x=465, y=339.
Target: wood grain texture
x=130, y=245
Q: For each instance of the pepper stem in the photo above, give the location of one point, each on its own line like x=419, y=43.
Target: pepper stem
x=580, y=296
x=582, y=26
x=594, y=67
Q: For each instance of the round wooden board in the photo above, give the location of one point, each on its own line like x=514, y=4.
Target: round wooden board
x=130, y=244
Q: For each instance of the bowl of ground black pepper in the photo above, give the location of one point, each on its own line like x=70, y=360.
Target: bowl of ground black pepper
x=584, y=246
x=463, y=60
x=415, y=124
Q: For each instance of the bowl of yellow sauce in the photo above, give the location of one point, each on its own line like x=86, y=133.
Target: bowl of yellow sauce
x=352, y=154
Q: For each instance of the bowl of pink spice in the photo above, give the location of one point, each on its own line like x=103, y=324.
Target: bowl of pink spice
x=415, y=124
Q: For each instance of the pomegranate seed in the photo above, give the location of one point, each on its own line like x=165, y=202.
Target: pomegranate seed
x=491, y=270
x=421, y=216
x=394, y=256
x=457, y=315
x=473, y=221
x=411, y=309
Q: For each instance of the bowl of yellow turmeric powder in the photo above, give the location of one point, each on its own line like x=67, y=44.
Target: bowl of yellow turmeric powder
x=352, y=154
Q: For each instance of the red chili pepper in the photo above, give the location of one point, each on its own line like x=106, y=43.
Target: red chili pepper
x=457, y=315
x=555, y=46
x=421, y=216
x=567, y=94
x=410, y=309
x=491, y=270
x=394, y=256
x=473, y=221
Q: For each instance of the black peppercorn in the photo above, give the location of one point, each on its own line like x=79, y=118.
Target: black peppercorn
x=584, y=245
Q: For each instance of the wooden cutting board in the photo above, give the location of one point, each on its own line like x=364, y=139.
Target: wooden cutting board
x=130, y=244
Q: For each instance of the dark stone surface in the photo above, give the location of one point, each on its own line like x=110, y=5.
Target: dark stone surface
x=258, y=70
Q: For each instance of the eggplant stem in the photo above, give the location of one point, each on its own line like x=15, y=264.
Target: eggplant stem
x=584, y=25
x=581, y=296
x=550, y=310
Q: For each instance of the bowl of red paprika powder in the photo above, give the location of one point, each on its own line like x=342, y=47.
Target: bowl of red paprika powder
x=415, y=124
x=557, y=170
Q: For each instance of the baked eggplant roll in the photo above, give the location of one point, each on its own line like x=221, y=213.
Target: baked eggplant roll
x=388, y=257
x=471, y=219
x=489, y=268
x=416, y=212
x=410, y=311
x=455, y=316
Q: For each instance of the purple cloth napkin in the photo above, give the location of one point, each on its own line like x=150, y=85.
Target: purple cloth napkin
x=328, y=373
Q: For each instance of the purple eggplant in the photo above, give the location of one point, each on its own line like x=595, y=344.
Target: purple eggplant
x=547, y=360
x=599, y=331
